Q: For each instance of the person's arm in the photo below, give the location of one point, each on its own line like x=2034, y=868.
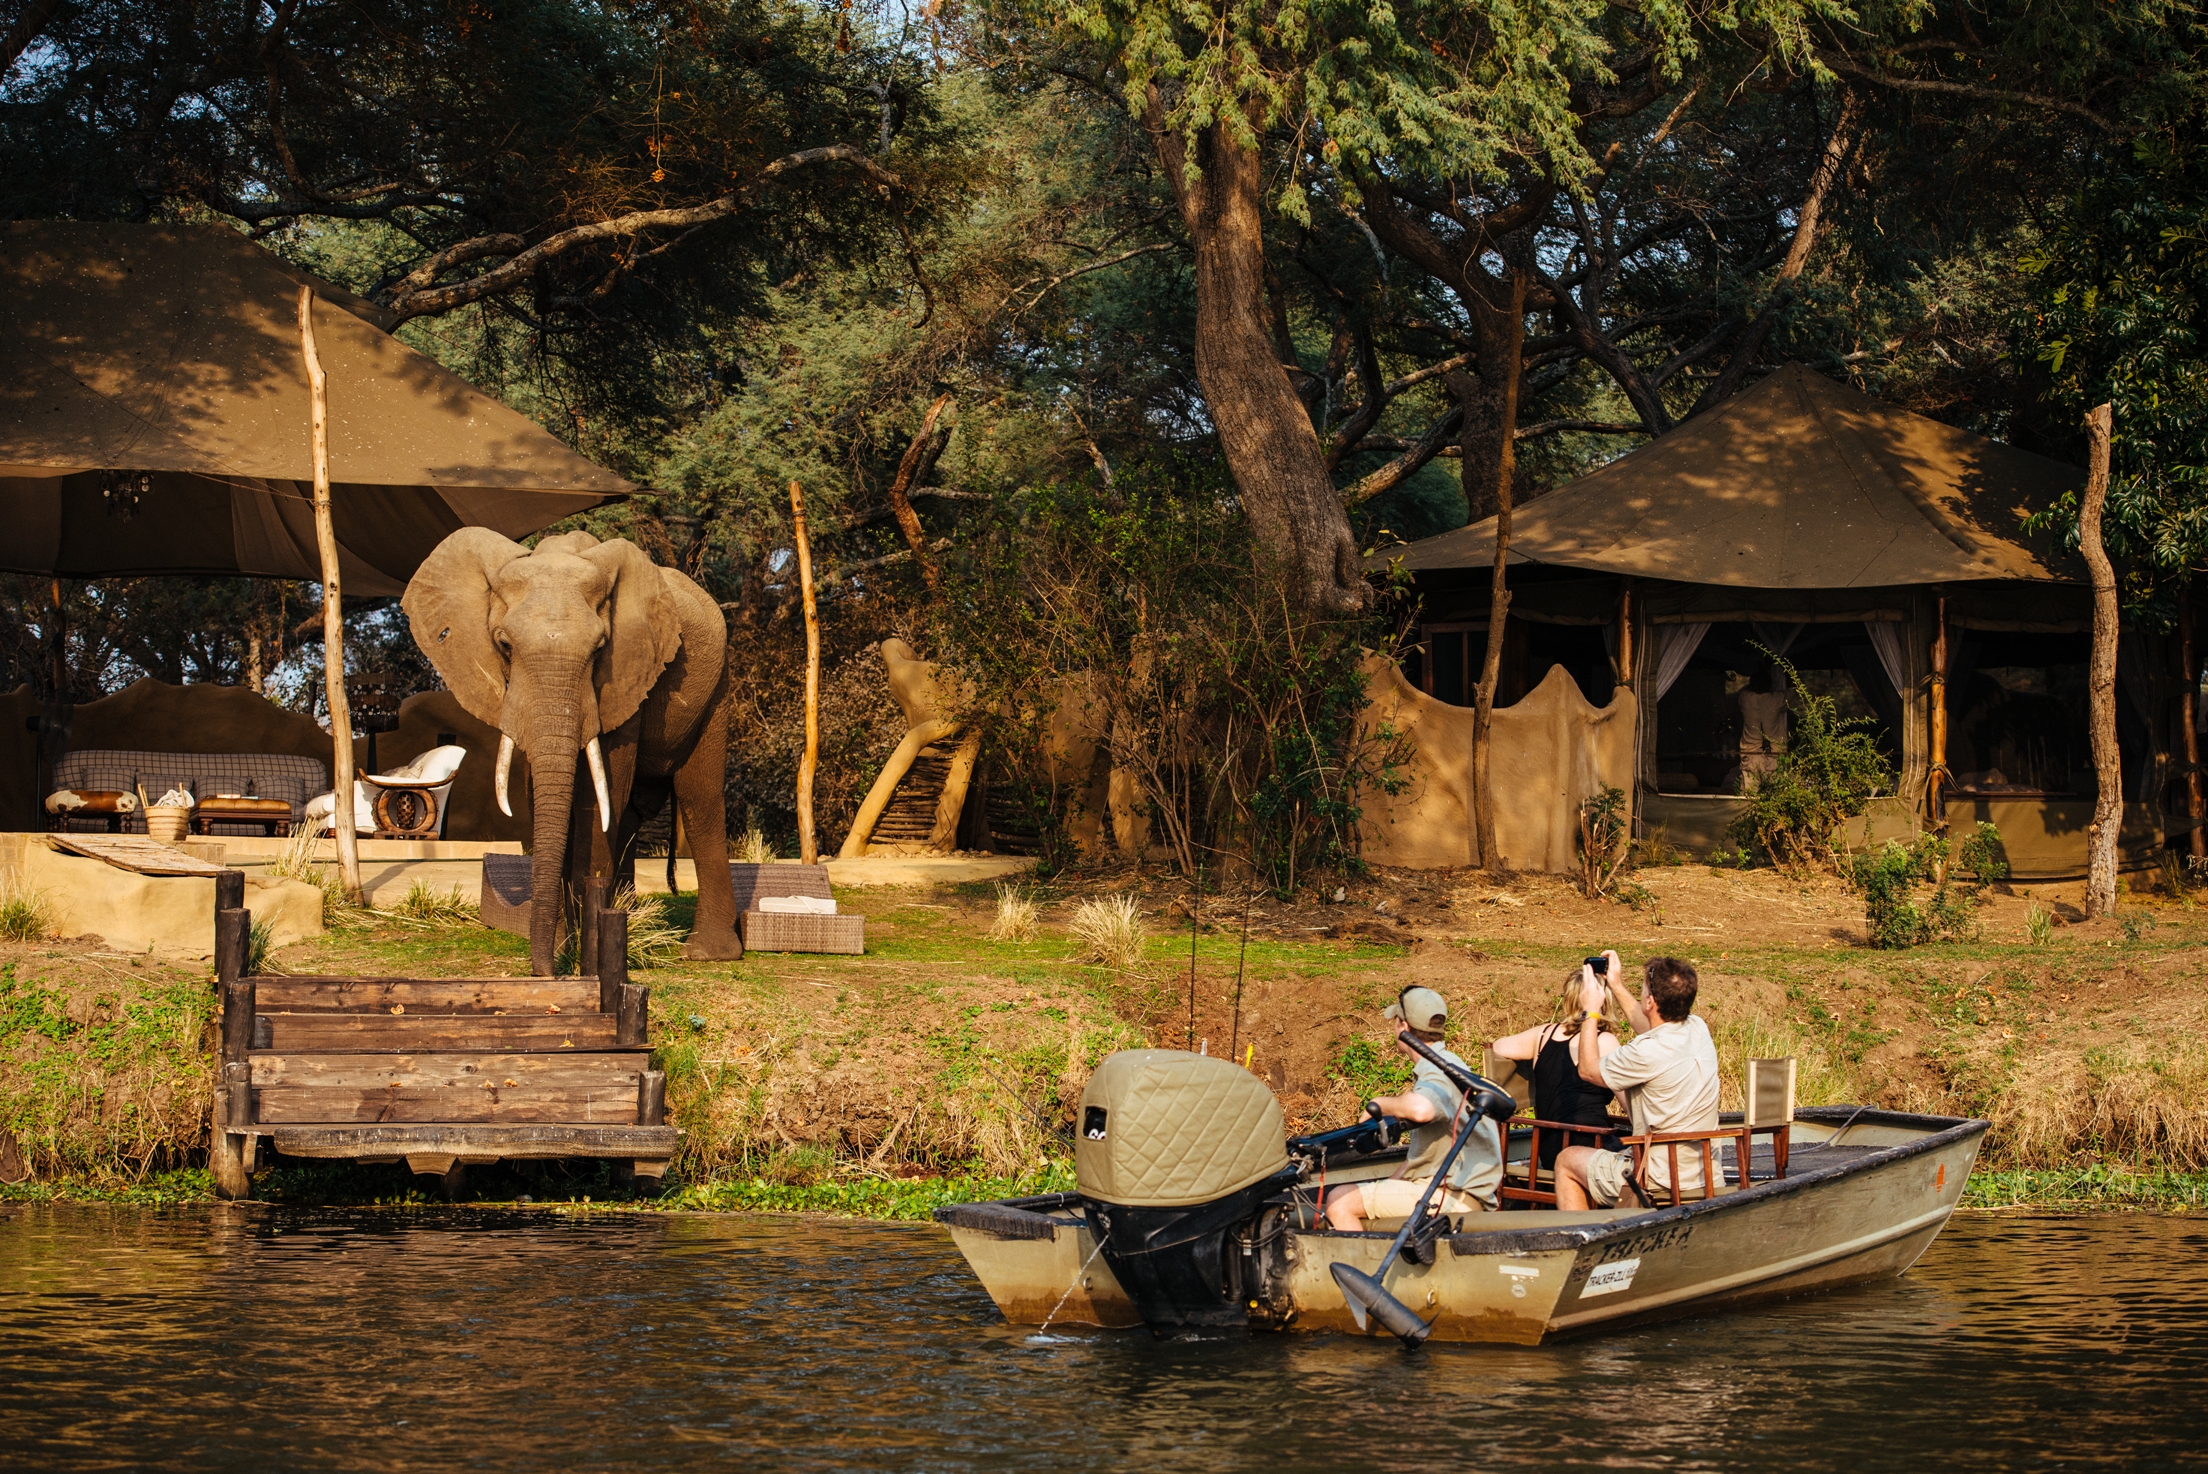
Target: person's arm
x=1411, y=1105
x=1590, y=1030
x=1629, y=1007
x=1521, y=1046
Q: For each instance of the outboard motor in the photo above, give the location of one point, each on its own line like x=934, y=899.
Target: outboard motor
x=1175, y=1156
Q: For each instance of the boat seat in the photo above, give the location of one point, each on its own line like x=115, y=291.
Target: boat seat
x=1527, y=1186
x=1645, y=1147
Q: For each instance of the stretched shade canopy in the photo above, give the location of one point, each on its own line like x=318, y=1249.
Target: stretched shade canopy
x=154, y=419
x=1797, y=483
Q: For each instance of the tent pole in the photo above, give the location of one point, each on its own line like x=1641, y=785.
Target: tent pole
x=333, y=613
x=2188, y=707
x=808, y=848
x=1935, y=800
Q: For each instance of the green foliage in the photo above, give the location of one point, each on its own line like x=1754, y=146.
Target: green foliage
x=2120, y=315
x=1831, y=770
x=1888, y=878
x=260, y=942
x=1605, y=847
x=1150, y=622
x=1370, y=1069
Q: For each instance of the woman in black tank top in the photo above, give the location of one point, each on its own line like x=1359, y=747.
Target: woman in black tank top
x=1559, y=1094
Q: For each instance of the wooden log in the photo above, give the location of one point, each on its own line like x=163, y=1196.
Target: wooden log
x=540, y=996
x=2100, y=681
x=427, y=1033
x=612, y=1102
x=586, y=943
x=237, y=1018
x=333, y=614
x=635, y=1004
x=517, y=1141
x=225, y=1159
x=229, y=891
x=233, y=936
x=651, y=1098
x=471, y=1071
x=613, y=959
x=237, y=1090
x=808, y=850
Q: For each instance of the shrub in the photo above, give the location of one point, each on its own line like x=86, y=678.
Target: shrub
x=25, y=914
x=1111, y=931
x=1831, y=770
x=1016, y=913
x=1370, y=1069
x=1888, y=878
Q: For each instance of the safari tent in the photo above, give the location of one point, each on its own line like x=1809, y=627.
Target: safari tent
x=1882, y=553
x=154, y=419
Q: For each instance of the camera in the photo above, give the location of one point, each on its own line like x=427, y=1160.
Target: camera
x=1601, y=966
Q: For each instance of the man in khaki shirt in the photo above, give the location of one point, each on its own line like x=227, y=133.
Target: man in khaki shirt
x=1668, y=1075
x=1435, y=1107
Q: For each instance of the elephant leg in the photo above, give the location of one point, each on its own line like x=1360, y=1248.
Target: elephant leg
x=590, y=849
x=701, y=797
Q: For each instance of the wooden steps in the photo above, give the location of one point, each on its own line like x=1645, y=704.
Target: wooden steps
x=910, y=816
x=438, y=1072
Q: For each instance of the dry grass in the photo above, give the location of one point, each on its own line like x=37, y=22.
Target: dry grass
x=1818, y=1080
x=754, y=848
x=301, y=861
x=26, y=915
x=1017, y=912
x=431, y=907
x=1111, y=931
x=654, y=941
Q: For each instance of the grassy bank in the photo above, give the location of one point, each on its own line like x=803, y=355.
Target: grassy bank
x=942, y=1064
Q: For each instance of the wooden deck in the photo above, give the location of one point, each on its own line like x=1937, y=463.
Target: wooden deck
x=440, y=1073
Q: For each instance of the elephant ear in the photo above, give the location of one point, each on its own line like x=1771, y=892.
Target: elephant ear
x=644, y=629
x=448, y=604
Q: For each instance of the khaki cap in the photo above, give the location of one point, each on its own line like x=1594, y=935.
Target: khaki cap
x=1421, y=1008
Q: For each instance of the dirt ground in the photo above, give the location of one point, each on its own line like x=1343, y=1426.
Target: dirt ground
x=941, y=1047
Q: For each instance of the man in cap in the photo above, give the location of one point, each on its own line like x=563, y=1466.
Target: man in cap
x=1435, y=1108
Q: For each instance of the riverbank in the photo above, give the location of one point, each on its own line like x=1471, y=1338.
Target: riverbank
x=942, y=1057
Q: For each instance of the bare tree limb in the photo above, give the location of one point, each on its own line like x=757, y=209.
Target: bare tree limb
x=1408, y=464
x=425, y=301
x=1848, y=66
x=908, y=521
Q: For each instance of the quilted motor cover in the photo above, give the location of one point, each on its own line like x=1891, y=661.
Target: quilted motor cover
x=1162, y=1128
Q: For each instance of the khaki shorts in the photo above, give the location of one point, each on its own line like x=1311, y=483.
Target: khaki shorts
x=1395, y=1197
x=1607, y=1174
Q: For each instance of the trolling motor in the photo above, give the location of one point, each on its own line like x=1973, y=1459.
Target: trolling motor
x=1372, y=1135
x=1367, y=1295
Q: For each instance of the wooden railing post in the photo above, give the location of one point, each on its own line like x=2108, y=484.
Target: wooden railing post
x=629, y=1029
x=237, y=1018
x=230, y=890
x=586, y=942
x=651, y=1098
x=233, y=941
x=613, y=958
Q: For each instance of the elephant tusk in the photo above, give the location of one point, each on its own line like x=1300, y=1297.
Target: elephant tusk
x=598, y=781
x=505, y=762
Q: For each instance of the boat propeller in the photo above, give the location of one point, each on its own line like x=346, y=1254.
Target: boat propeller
x=1368, y=1298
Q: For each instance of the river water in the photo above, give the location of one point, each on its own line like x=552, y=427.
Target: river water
x=244, y=1337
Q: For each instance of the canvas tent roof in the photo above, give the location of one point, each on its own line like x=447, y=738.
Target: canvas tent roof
x=174, y=351
x=1797, y=483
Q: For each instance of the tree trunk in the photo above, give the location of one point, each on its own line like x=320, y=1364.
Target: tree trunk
x=900, y=493
x=1498, y=603
x=1264, y=430
x=2108, y=769
x=1797, y=256
x=333, y=615
x=2188, y=710
x=808, y=848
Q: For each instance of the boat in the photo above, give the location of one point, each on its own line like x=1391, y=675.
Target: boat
x=1193, y=1211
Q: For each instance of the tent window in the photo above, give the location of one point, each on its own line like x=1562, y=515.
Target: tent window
x=1722, y=722
x=2017, y=717
x=1447, y=670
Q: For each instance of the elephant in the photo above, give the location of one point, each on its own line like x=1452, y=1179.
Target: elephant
x=587, y=656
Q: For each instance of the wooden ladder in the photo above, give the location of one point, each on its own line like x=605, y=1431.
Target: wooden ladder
x=441, y=1073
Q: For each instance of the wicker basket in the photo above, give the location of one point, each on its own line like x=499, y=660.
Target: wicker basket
x=787, y=931
x=167, y=823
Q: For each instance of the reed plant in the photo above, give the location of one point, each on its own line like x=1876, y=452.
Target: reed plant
x=26, y=915
x=1110, y=930
x=1017, y=913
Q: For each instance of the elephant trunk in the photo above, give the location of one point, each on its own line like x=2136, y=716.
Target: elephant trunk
x=550, y=714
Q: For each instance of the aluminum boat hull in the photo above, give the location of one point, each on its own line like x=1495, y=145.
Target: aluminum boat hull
x=1866, y=1194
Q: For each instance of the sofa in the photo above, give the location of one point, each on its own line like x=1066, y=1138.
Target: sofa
x=204, y=775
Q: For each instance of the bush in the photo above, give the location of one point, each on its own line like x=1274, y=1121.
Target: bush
x=1888, y=878
x=1831, y=770
x=1111, y=931
x=1016, y=914
x=25, y=915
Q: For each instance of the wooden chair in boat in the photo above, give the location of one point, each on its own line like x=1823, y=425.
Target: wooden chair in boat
x=1770, y=1109
x=1509, y=1073
x=1645, y=1146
